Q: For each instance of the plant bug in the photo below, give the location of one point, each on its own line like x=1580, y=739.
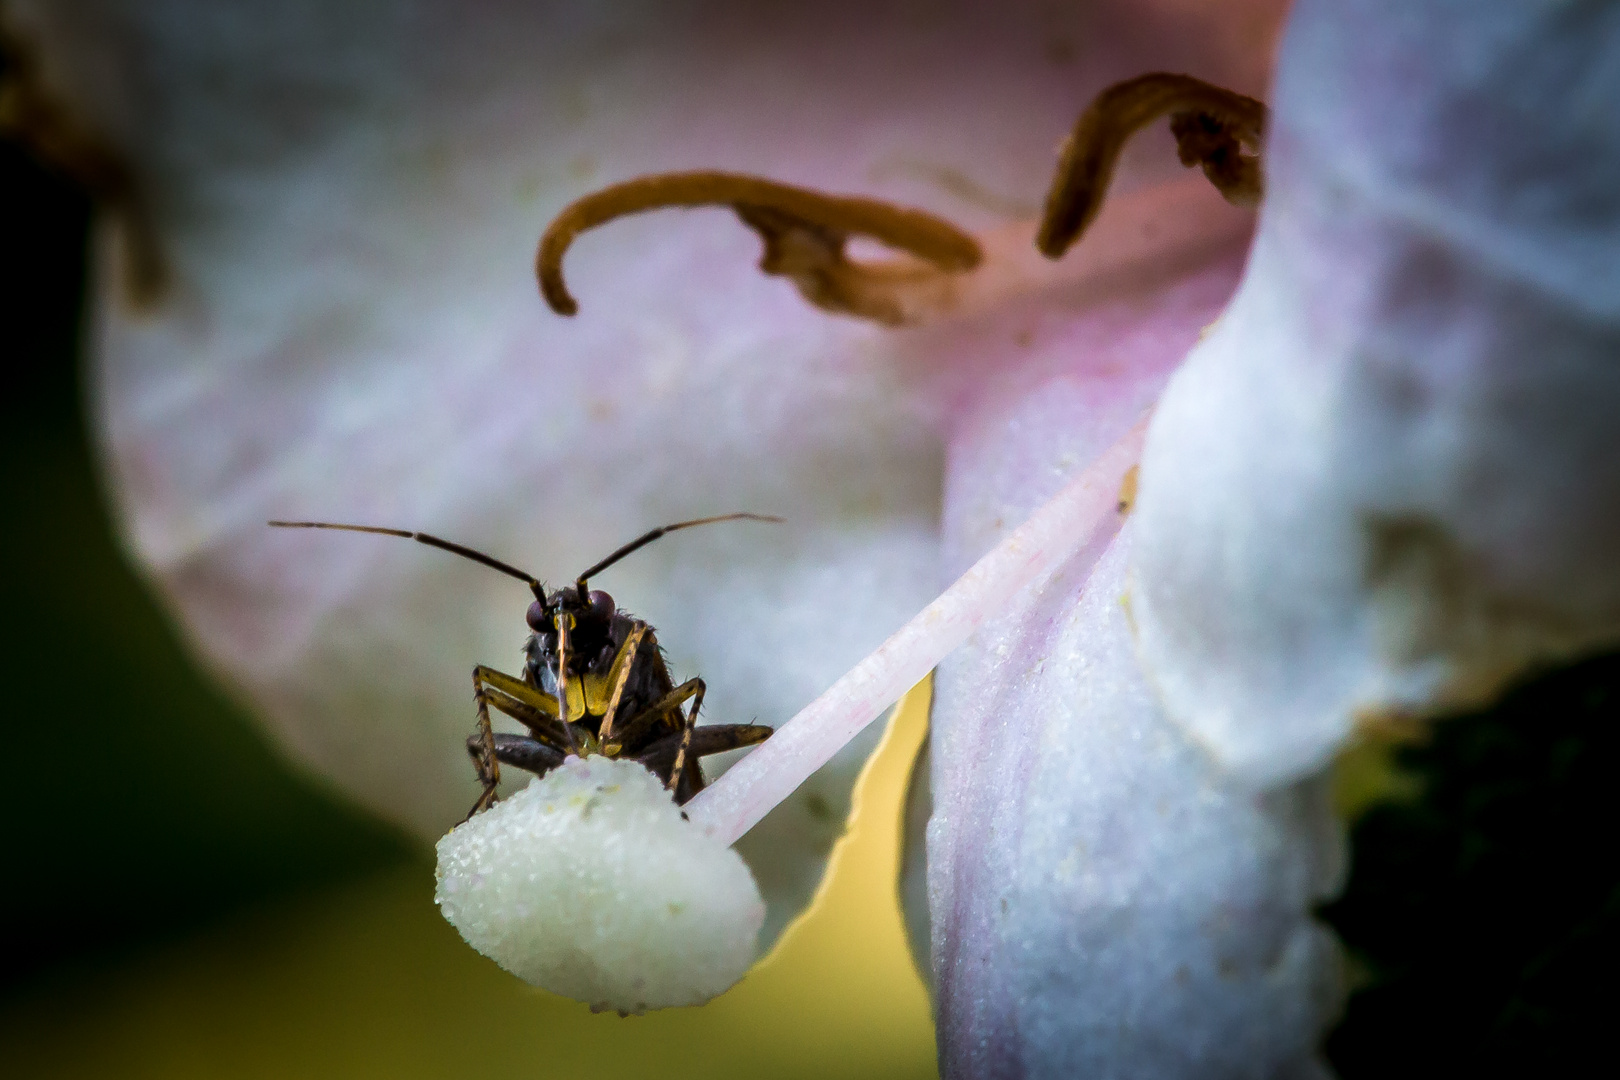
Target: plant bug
x=607, y=666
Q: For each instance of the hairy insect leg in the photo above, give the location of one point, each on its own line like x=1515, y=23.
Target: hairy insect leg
x=481, y=748
x=623, y=664
x=651, y=714
x=522, y=752
x=565, y=622
x=659, y=756
x=676, y=773
x=706, y=739
x=540, y=726
x=533, y=708
x=718, y=738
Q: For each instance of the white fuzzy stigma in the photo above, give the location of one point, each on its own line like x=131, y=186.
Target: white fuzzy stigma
x=589, y=883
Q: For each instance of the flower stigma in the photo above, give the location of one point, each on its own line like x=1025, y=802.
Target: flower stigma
x=590, y=883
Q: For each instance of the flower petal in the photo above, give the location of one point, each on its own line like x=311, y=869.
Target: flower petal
x=1103, y=899
x=1106, y=901
x=1389, y=480
x=348, y=196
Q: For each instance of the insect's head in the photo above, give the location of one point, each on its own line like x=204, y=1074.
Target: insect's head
x=591, y=606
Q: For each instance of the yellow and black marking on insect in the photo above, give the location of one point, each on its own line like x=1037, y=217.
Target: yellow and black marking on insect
x=605, y=664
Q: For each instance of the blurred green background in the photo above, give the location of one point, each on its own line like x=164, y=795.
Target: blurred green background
x=179, y=903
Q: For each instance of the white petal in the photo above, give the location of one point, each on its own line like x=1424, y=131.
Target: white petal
x=1390, y=479
x=1103, y=899
x=1106, y=901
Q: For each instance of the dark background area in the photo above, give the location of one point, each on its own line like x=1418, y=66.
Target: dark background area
x=1487, y=911
x=138, y=801
x=141, y=804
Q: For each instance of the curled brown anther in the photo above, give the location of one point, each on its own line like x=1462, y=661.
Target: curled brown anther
x=1218, y=129
x=804, y=233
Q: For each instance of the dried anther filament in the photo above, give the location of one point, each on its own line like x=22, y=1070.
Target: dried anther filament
x=1218, y=129
x=804, y=231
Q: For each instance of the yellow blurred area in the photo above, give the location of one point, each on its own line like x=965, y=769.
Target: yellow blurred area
x=369, y=981
x=1365, y=773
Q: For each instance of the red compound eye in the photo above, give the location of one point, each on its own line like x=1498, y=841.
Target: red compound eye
x=536, y=617
x=602, y=604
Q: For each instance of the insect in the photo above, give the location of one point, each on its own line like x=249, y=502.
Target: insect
x=604, y=664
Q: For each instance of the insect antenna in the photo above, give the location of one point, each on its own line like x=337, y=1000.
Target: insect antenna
x=431, y=541
x=648, y=537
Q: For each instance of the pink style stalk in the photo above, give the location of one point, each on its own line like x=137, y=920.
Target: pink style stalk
x=1084, y=515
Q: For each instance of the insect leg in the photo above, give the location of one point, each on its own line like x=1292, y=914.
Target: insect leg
x=637, y=727
x=623, y=665
x=522, y=752
x=534, y=709
x=565, y=622
x=540, y=728
x=659, y=756
x=718, y=738
x=707, y=739
x=482, y=750
x=675, y=774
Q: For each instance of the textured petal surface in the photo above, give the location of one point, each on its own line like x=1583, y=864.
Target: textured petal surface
x=1390, y=478
x=1104, y=901
x=1107, y=902
x=348, y=197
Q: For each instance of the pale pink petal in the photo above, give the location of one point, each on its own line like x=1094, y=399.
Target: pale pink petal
x=1103, y=899
x=348, y=196
x=1106, y=901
